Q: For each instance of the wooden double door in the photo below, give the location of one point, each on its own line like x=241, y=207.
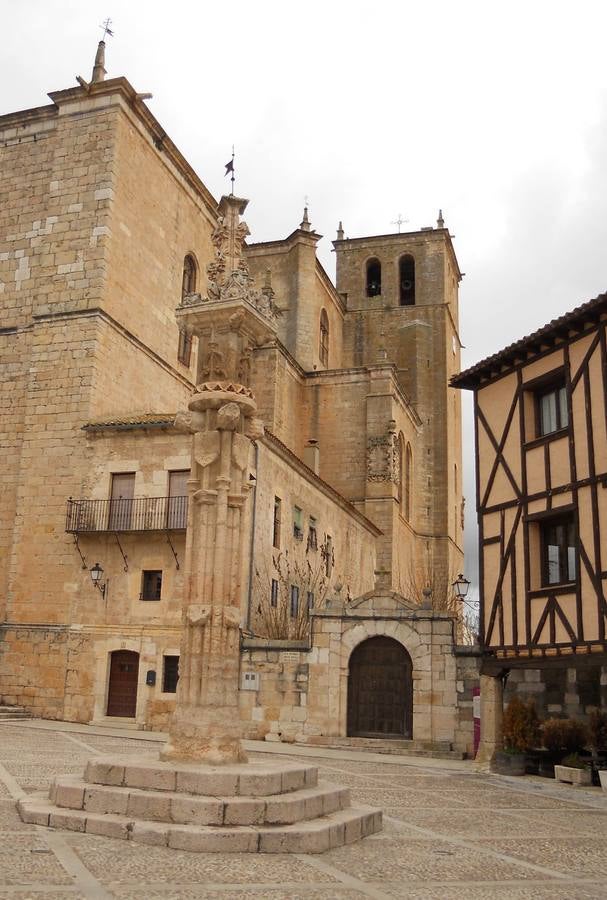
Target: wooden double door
x=122, y=690
x=380, y=690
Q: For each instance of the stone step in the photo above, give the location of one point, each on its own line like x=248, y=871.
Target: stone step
x=326, y=832
x=428, y=749
x=254, y=779
x=10, y=713
x=122, y=722
x=71, y=792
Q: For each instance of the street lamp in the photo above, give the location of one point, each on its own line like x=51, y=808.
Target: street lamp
x=96, y=575
x=460, y=586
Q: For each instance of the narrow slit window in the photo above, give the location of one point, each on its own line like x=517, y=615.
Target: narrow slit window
x=323, y=349
x=294, y=601
x=276, y=523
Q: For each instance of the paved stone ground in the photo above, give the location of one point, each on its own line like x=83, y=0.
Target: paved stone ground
x=450, y=833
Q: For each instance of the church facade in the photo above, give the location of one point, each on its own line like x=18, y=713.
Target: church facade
x=353, y=512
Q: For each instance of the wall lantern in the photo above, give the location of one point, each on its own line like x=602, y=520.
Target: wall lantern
x=96, y=576
x=460, y=586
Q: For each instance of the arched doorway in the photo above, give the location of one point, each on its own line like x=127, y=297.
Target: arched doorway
x=122, y=690
x=380, y=690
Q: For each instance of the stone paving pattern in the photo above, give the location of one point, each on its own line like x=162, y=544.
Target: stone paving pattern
x=450, y=832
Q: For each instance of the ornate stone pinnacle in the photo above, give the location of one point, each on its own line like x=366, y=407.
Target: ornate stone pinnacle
x=228, y=274
x=305, y=222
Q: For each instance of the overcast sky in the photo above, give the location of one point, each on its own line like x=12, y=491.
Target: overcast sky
x=495, y=112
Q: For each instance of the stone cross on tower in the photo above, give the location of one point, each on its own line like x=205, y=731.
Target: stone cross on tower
x=229, y=322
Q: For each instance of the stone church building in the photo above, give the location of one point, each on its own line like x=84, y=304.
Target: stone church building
x=354, y=508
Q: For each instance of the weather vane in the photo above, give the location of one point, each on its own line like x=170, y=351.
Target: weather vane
x=230, y=168
x=399, y=221
x=106, y=28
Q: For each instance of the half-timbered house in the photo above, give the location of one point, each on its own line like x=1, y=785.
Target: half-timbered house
x=541, y=478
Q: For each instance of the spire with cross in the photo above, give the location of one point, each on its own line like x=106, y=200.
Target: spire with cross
x=399, y=221
x=107, y=28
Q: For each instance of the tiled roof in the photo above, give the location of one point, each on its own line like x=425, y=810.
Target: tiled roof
x=143, y=420
x=543, y=337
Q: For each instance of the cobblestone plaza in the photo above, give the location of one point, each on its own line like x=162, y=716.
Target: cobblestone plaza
x=450, y=831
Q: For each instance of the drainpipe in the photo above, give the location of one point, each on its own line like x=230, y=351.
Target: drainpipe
x=252, y=537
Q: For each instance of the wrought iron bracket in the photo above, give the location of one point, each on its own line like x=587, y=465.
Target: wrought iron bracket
x=80, y=553
x=170, y=543
x=126, y=562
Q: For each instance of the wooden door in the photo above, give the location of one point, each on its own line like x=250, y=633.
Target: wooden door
x=121, y=504
x=380, y=690
x=122, y=692
x=177, y=506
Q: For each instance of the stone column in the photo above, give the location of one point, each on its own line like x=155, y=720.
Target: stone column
x=228, y=322
x=492, y=708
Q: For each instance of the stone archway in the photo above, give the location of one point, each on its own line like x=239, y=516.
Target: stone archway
x=122, y=688
x=380, y=690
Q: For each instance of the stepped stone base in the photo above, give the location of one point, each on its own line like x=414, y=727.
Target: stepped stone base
x=252, y=807
x=13, y=713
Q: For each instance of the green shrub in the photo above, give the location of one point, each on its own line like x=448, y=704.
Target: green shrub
x=520, y=726
x=564, y=735
x=597, y=730
x=574, y=762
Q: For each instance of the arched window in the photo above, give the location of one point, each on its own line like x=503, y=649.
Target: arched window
x=407, y=281
x=188, y=283
x=373, y=278
x=323, y=350
x=406, y=504
x=188, y=286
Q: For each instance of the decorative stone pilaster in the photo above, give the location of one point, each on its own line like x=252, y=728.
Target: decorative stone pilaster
x=229, y=322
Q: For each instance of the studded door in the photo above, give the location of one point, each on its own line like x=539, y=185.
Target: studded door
x=380, y=690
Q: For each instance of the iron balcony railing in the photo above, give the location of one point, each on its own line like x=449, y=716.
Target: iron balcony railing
x=136, y=514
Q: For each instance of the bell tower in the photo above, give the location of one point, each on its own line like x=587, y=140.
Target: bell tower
x=401, y=296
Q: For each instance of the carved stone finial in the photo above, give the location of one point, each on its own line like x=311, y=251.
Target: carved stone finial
x=99, y=66
x=340, y=231
x=440, y=222
x=228, y=274
x=305, y=222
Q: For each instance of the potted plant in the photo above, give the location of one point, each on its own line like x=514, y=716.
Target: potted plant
x=573, y=770
x=561, y=737
x=520, y=732
x=597, y=742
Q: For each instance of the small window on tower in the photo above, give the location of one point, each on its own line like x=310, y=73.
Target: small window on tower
x=373, y=278
x=407, y=281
